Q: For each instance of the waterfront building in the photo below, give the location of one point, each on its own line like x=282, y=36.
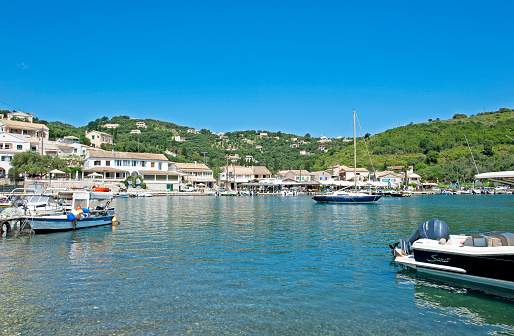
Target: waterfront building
x=323, y=176
x=299, y=175
x=10, y=145
x=260, y=172
x=97, y=138
x=232, y=175
x=391, y=178
x=141, y=124
x=117, y=166
x=348, y=174
x=196, y=174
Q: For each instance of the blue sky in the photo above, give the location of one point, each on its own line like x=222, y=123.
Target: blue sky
x=294, y=66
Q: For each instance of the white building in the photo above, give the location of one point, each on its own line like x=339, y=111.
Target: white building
x=231, y=175
x=119, y=165
x=10, y=144
x=98, y=138
x=197, y=174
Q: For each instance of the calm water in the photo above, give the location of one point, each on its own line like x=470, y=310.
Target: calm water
x=250, y=266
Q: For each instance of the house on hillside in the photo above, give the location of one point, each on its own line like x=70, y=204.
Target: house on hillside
x=24, y=116
x=111, y=126
x=98, y=138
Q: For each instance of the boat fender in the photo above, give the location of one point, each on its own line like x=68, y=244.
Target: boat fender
x=7, y=227
x=114, y=221
x=70, y=216
x=85, y=210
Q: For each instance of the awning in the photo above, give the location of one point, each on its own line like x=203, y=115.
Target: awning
x=506, y=177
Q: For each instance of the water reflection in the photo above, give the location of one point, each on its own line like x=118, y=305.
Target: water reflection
x=468, y=303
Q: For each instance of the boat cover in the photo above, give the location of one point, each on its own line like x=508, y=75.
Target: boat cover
x=434, y=229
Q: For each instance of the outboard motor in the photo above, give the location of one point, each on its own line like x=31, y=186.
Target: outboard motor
x=434, y=229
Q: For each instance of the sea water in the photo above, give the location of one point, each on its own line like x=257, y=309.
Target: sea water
x=264, y=265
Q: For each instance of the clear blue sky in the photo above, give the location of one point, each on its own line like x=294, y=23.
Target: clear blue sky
x=294, y=66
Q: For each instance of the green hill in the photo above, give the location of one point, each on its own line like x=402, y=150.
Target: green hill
x=437, y=148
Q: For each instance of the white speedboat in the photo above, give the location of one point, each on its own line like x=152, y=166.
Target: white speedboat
x=481, y=258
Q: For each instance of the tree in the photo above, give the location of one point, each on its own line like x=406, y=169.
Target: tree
x=32, y=163
x=432, y=157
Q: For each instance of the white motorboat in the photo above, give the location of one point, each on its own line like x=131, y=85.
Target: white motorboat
x=481, y=258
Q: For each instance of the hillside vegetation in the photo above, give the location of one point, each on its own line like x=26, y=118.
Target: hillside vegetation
x=438, y=148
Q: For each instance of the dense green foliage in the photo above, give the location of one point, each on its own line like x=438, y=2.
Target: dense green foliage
x=32, y=163
x=437, y=149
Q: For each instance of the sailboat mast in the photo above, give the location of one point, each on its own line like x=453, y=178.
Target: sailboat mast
x=354, y=152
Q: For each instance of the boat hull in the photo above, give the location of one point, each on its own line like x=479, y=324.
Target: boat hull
x=346, y=199
x=496, y=266
x=42, y=224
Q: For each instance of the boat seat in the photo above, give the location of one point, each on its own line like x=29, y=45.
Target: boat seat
x=507, y=238
x=479, y=240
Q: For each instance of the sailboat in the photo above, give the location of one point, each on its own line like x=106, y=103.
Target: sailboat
x=342, y=196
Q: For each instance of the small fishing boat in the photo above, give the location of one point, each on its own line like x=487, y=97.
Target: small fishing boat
x=481, y=258
x=122, y=196
x=97, y=188
x=86, y=210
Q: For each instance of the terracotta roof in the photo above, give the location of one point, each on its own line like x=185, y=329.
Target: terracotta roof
x=101, y=154
x=24, y=125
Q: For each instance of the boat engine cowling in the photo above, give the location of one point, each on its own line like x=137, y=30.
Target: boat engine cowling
x=434, y=229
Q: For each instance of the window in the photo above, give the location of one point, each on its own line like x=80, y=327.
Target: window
x=92, y=137
x=107, y=163
x=134, y=163
x=19, y=147
x=97, y=163
x=152, y=164
x=6, y=146
x=143, y=163
x=126, y=163
x=160, y=166
x=118, y=163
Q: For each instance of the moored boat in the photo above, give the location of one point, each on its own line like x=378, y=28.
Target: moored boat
x=342, y=196
x=347, y=197
x=86, y=210
x=481, y=258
